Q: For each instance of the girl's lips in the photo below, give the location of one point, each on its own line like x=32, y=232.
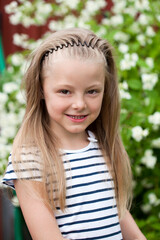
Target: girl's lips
x=77, y=118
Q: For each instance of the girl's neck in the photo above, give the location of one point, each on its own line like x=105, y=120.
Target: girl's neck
x=74, y=142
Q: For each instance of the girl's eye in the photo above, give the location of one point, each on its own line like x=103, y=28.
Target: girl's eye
x=64, y=91
x=92, y=91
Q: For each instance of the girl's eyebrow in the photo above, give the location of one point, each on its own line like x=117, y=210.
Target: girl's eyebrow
x=72, y=86
x=96, y=85
x=61, y=85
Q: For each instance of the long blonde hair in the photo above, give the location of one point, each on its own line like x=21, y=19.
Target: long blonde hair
x=35, y=130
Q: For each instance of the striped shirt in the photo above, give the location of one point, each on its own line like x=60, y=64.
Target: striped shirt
x=91, y=211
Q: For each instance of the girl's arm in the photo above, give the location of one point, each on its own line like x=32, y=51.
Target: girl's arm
x=39, y=218
x=130, y=230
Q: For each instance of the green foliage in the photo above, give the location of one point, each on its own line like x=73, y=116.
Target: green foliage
x=133, y=28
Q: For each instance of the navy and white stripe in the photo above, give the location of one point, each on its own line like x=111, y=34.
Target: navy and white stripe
x=91, y=210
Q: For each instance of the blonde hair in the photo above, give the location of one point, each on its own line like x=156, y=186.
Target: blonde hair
x=35, y=129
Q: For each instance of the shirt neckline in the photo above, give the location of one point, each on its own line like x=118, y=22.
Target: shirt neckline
x=92, y=139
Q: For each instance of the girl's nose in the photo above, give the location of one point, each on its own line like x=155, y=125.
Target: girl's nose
x=79, y=103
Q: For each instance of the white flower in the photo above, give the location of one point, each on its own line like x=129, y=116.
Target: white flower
x=146, y=208
x=102, y=3
x=121, y=36
x=10, y=87
x=70, y=21
x=84, y=17
x=3, y=141
x=141, y=39
x=129, y=61
x=134, y=57
x=59, y=1
x=3, y=97
x=54, y=25
x=15, y=201
x=119, y=7
x=148, y=159
x=130, y=11
x=92, y=7
x=32, y=46
x=135, y=28
x=26, y=5
x=158, y=17
x=123, y=48
x=124, y=85
x=27, y=21
x=5, y=149
x=17, y=59
x=15, y=18
x=101, y=32
x=116, y=20
x=138, y=133
x=150, y=62
x=8, y=131
x=8, y=128
x=82, y=24
x=19, y=39
x=156, y=143
x=106, y=21
x=72, y=4
x=141, y=5
x=155, y=119
x=44, y=9
x=20, y=115
x=153, y=200
x=98, y=4
x=61, y=10
x=124, y=94
x=10, y=8
x=145, y=132
x=149, y=80
x=150, y=32
x=42, y=12
x=143, y=19
x=39, y=19
x=20, y=97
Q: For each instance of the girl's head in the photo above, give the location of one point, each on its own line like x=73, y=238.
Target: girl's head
x=84, y=47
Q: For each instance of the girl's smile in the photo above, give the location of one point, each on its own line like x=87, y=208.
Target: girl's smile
x=77, y=118
x=73, y=93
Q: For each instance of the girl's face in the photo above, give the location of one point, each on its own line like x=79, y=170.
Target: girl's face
x=73, y=93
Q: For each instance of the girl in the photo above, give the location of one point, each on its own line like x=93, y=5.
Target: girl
x=68, y=165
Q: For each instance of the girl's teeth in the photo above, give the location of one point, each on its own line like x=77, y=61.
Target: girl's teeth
x=77, y=117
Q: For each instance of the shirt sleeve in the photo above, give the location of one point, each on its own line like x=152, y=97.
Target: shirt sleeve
x=30, y=168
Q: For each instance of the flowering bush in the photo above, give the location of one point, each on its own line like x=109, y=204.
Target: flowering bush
x=132, y=27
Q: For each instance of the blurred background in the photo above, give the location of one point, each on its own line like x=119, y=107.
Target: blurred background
x=133, y=28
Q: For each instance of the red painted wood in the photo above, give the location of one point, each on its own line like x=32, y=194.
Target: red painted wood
x=8, y=30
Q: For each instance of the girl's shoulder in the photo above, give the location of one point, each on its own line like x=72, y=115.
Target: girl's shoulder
x=28, y=166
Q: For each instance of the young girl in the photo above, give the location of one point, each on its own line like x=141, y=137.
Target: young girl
x=68, y=166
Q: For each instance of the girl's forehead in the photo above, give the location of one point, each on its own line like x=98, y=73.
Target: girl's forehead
x=74, y=67
x=75, y=72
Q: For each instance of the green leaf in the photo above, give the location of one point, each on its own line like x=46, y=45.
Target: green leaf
x=134, y=84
